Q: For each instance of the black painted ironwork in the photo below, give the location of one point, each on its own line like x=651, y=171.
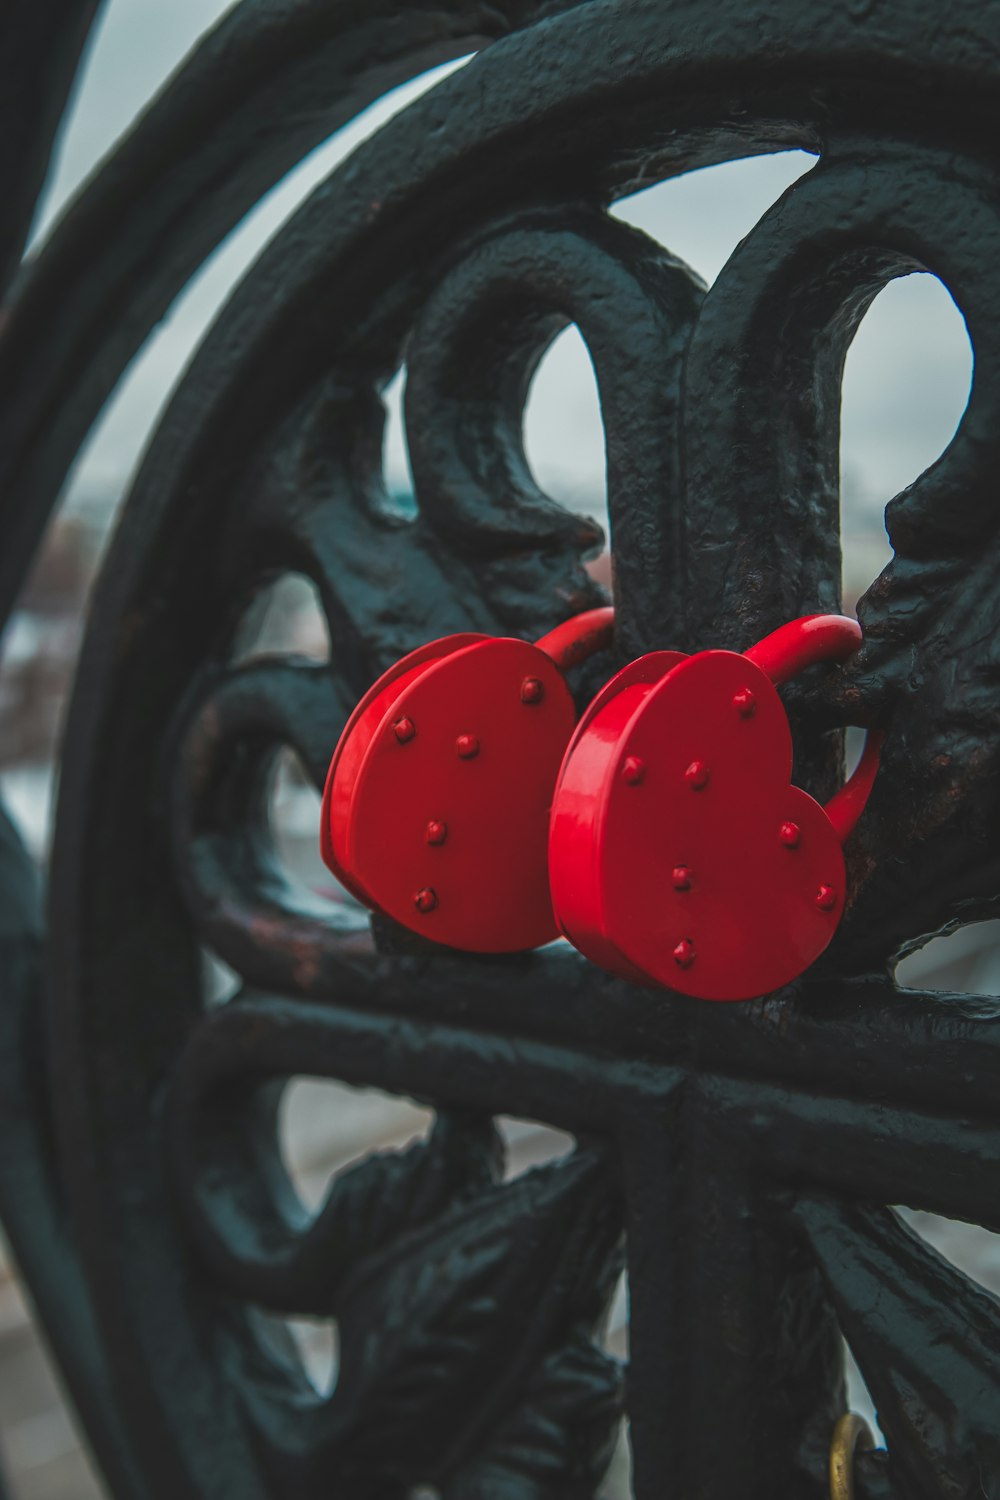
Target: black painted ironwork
x=740, y=1157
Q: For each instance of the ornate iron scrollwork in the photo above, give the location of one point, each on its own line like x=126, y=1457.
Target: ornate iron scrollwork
x=747, y=1153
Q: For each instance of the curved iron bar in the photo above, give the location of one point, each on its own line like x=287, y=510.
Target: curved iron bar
x=753, y=1149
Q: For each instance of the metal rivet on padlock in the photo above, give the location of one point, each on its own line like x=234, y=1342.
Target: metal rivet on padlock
x=684, y=954
x=448, y=835
x=771, y=878
x=633, y=770
x=697, y=775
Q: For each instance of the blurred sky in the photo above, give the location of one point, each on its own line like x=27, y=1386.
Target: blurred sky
x=907, y=375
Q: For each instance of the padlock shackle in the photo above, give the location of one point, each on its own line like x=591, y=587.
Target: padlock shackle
x=846, y=806
x=803, y=642
x=579, y=637
x=800, y=644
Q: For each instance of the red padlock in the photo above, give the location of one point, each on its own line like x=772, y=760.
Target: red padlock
x=437, y=800
x=679, y=852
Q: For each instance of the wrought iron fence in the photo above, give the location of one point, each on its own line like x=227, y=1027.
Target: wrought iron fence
x=738, y=1160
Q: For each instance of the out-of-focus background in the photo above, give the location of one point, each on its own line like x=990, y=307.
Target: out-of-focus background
x=906, y=386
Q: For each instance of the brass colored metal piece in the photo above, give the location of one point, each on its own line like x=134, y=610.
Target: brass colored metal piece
x=850, y=1433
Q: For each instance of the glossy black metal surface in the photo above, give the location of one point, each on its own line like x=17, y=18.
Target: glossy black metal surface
x=740, y=1157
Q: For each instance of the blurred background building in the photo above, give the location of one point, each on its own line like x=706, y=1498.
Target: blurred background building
x=906, y=386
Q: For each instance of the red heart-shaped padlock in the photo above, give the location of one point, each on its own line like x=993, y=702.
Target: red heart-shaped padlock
x=679, y=851
x=437, y=800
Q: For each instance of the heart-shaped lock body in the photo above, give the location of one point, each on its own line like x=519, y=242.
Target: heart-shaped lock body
x=679, y=851
x=437, y=801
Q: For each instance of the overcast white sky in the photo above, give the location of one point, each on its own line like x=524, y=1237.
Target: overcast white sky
x=907, y=375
